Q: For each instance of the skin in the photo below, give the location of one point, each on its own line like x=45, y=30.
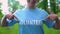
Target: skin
x=30, y=4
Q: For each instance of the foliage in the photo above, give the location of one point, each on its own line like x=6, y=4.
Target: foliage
x=0, y=11
x=14, y=5
x=43, y=5
x=53, y=5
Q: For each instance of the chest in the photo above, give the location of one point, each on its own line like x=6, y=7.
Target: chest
x=30, y=16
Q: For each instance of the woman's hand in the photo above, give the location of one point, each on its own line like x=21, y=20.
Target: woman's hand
x=10, y=16
x=52, y=17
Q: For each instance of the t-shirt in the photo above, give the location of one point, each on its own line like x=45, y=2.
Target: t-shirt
x=31, y=21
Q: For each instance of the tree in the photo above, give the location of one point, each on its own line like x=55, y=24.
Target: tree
x=53, y=6
x=14, y=5
x=43, y=5
x=0, y=11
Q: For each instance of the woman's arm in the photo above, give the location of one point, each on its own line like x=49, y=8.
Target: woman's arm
x=4, y=19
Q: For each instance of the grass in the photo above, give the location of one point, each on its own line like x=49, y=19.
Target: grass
x=9, y=30
x=14, y=30
x=50, y=30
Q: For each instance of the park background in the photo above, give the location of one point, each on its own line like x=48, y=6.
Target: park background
x=7, y=6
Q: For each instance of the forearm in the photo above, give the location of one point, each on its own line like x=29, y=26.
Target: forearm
x=49, y=23
x=3, y=21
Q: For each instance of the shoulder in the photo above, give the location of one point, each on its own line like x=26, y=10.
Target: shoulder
x=17, y=11
x=42, y=11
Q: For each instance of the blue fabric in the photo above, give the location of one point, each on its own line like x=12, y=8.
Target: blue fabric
x=12, y=22
x=31, y=14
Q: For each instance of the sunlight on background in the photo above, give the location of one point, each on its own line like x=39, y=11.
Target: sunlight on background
x=5, y=7
x=22, y=2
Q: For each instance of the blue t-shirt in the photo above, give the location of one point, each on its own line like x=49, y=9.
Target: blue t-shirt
x=31, y=20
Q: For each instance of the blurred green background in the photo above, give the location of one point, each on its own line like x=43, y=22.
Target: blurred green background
x=43, y=4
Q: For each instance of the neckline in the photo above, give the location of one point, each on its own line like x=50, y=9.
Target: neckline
x=30, y=9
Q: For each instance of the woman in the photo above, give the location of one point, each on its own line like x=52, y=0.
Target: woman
x=30, y=19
